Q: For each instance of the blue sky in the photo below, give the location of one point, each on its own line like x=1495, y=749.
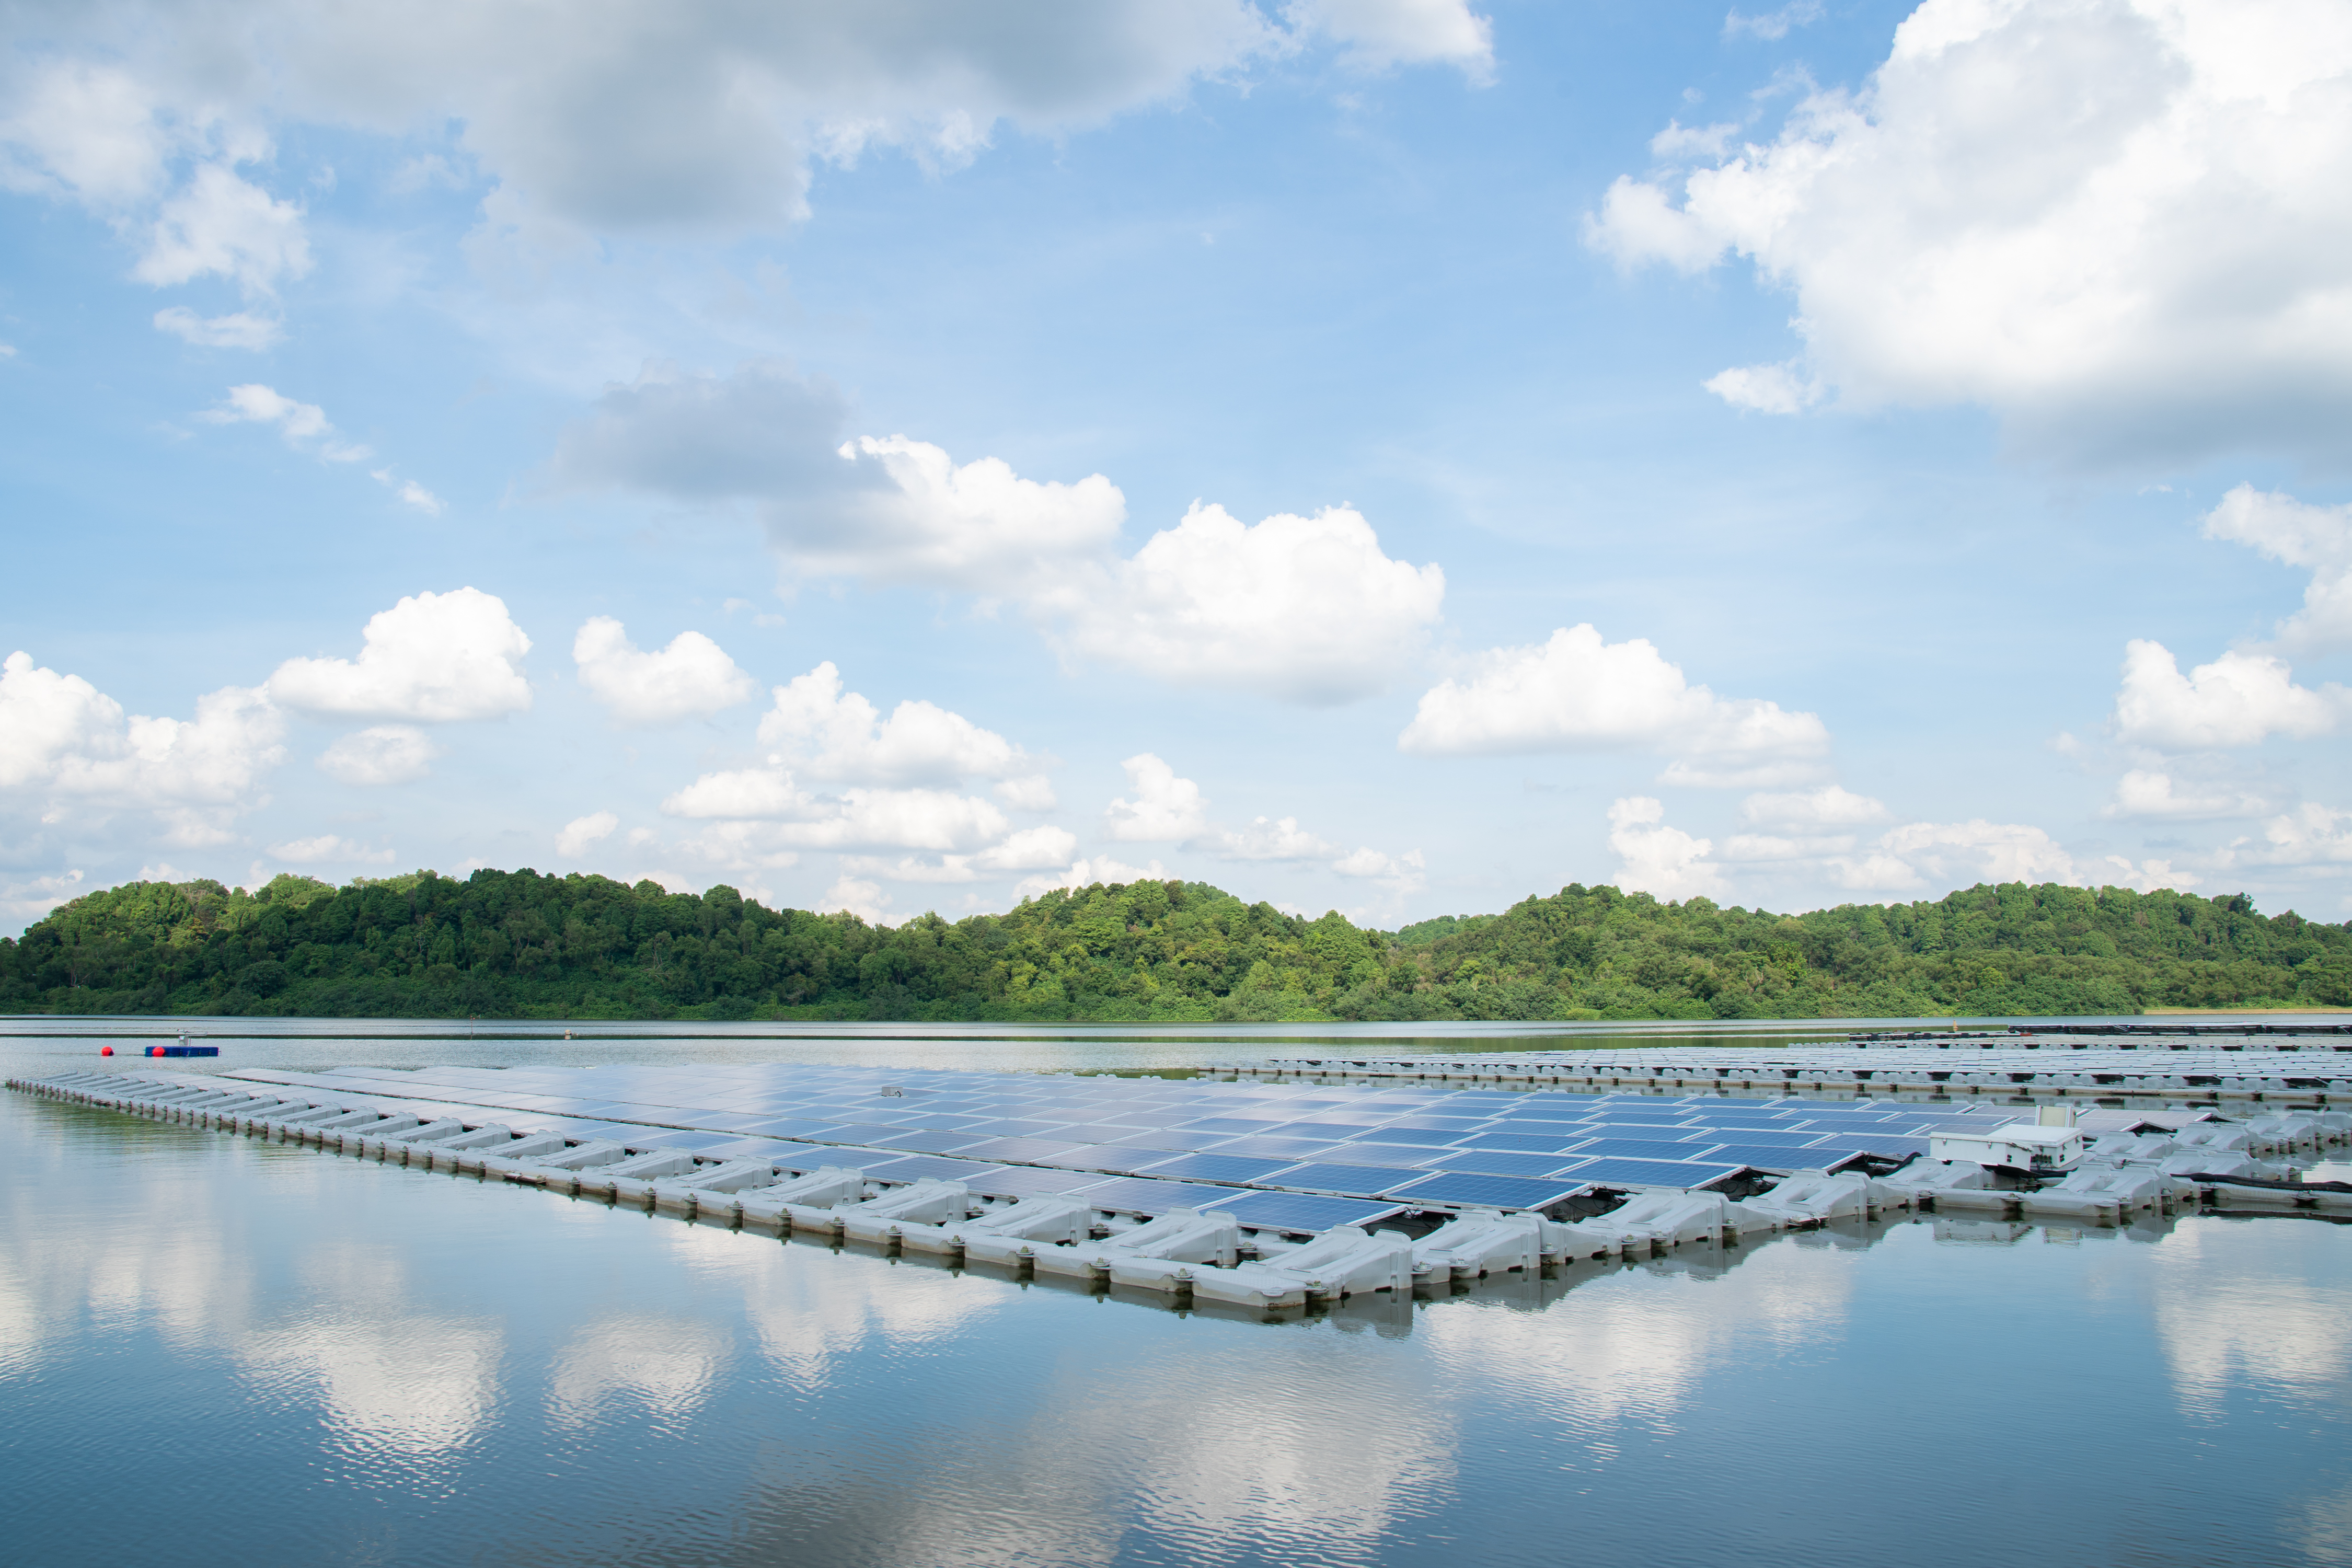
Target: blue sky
x=1395, y=456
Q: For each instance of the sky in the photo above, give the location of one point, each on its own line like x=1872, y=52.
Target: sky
x=1391, y=456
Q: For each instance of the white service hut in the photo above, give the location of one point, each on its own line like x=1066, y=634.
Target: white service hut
x=2049, y=1143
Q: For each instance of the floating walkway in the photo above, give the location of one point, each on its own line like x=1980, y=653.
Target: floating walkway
x=2305, y=1066
x=1264, y=1195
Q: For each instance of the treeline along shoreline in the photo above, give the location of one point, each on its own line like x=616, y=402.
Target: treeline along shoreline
x=501, y=944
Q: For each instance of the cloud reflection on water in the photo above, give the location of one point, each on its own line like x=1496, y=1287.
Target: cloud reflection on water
x=390, y=1382
x=2237, y=1309
x=808, y=1308
x=665, y=1364
x=1639, y=1344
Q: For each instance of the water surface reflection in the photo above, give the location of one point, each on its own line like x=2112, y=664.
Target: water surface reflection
x=206, y=1341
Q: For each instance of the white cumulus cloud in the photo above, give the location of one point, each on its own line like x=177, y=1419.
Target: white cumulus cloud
x=329, y=849
x=239, y=330
x=920, y=517
x=1087, y=873
x=2147, y=794
x=2310, y=835
x=1576, y=692
x=1378, y=34
x=1032, y=793
x=64, y=741
x=1305, y=609
x=430, y=658
x=222, y=225
x=836, y=735
x=1026, y=850
x=2295, y=533
x=145, y=112
x=299, y=422
x=2236, y=700
x=1830, y=806
x=1164, y=809
x=855, y=895
x=1766, y=388
x=380, y=754
x=860, y=818
x=1663, y=862
x=1030, y=849
x=2115, y=222
x=578, y=835
x=1958, y=854
x=1272, y=838
x=1773, y=24
x=691, y=679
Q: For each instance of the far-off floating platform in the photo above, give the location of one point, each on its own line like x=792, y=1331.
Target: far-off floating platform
x=1278, y=1194
x=2295, y=1063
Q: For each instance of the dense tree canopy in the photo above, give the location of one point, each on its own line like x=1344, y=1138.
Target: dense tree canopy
x=519, y=944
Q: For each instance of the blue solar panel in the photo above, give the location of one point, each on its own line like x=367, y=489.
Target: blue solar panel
x=1236, y=1124
x=1018, y=1128
x=1215, y=1167
x=1763, y=1139
x=1894, y=1147
x=1138, y=1194
x=1293, y=1148
x=1371, y=1153
x=1767, y=1156
x=687, y=1143
x=923, y=1142
x=1486, y=1192
x=1533, y=1144
x=1641, y=1147
x=1172, y=1139
x=1330, y=1178
x=1035, y=1183
x=1650, y=1172
x=1027, y=1151
x=1301, y=1211
x=1417, y=1137
x=915, y=1167
x=1112, y=1157
x=1499, y=1162
x=787, y=1127
x=1659, y=1131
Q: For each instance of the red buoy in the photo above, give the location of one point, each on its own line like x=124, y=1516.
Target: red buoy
x=154, y=1050
x=106, y=1050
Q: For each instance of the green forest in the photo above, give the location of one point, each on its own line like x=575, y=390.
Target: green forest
x=501, y=944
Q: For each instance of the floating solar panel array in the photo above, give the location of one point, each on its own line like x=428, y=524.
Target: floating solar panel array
x=2316, y=1065
x=1290, y=1156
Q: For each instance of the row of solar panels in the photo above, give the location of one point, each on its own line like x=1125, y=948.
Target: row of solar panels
x=672, y=1087
x=1674, y=1120
x=1963, y=1055
x=1096, y=1145
x=1354, y=1171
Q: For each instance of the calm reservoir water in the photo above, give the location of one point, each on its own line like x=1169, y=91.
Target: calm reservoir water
x=212, y=1348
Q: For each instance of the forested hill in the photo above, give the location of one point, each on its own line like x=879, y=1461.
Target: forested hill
x=518, y=945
